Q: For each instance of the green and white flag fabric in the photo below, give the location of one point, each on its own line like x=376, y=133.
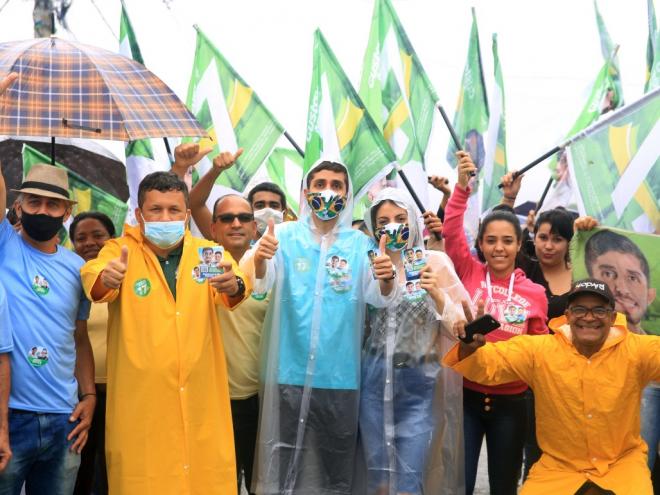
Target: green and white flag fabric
x=395, y=88
x=232, y=114
x=88, y=196
x=338, y=125
x=598, y=103
x=608, y=49
x=615, y=167
x=495, y=164
x=471, y=124
x=139, y=154
x=285, y=168
x=652, y=48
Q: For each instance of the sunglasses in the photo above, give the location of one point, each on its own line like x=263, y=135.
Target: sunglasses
x=230, y=217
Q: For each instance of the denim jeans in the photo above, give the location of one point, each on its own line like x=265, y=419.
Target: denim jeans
x=41, y=456
x=400, y=465
x=502, y=418
x=650, y=416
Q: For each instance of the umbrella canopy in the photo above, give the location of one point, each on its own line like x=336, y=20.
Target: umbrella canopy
x=98, y=167
x=67, y=89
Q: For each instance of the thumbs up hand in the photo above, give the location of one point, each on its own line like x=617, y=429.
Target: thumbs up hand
x=114, y=272
x=383, y=267
x=265, y=250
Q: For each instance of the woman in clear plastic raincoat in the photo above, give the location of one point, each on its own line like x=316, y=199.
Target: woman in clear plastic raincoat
x=321, y=281
x=411, y=408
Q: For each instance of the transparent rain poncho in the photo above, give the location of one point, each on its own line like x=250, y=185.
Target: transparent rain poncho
x=411, y=409
x=310, y=370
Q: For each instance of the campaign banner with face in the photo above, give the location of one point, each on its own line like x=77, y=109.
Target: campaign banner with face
x=628, y=262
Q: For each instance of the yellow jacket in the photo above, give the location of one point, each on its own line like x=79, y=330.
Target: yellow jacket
x=587, y=409
x=168, y=427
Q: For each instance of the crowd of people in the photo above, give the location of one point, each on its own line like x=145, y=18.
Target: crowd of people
x=292, y=356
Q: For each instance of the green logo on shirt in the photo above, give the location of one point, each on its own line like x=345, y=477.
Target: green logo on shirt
x=40, y=285
x=37, y=356
x=142, y=287
x=259, y=297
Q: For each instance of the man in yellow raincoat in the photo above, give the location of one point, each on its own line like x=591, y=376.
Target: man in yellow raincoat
x=587, y=379
x=169, y=427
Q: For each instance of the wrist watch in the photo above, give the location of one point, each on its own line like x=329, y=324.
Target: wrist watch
x=241, y=287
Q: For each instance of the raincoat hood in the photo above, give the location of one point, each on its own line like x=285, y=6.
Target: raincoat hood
x=345, y=216
x=399, y=198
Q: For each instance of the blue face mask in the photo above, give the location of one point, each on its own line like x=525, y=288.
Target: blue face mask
x=164, y=234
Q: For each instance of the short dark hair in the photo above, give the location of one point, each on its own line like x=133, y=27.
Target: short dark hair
x=267, y=187
x=333, y=167
x=96, y=215
x=605, y=241
x=162, y=182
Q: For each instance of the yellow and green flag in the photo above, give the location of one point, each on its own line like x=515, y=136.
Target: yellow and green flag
x=339, y=126
x=232, y=114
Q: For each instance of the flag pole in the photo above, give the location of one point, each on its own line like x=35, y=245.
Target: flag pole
x=537, y=161
x=452, y=132
x=413, y=194
x=294, y=144
x=545, y=193
x=169, y=150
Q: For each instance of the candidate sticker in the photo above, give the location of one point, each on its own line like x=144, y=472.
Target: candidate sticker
x=37, y=356
x=40, y=285
x=339, y=273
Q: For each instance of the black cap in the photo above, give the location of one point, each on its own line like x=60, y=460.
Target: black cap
x=591, y=286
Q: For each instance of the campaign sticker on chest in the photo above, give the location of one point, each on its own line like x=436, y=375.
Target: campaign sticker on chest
x=210, y=258
x=339, y=273
x=40, y=285
x=37, y=356
x=514, y=314
x=142, y=287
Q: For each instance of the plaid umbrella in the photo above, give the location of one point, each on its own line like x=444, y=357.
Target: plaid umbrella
x=73, y=90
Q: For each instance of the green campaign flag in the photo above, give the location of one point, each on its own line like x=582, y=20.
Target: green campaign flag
x=608, y=48
x=629, y=264
x=615, y=166
x=395, y=88
x=472, y=114
x=338, y=125
x=232, y=114
x=652, y=48
x=285, y=168
x=495, y=164
x=139, y=154
x=88, y=196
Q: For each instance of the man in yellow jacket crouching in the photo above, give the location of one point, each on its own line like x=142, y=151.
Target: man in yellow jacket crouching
x=587, y=380
x=168, y=426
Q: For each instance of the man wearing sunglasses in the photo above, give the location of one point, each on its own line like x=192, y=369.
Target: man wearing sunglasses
x=587, y=379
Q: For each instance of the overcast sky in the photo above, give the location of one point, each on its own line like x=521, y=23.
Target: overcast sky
x=549, y=52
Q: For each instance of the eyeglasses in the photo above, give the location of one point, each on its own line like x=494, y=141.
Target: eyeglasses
x=598, y=312
x=230, y=217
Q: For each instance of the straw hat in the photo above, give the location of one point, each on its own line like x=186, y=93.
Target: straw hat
x=46, y=180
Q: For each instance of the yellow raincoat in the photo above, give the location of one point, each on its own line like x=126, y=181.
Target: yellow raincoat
x=587, y=409
x=168, y=427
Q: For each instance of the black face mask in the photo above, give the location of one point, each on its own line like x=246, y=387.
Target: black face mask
x=41, y=227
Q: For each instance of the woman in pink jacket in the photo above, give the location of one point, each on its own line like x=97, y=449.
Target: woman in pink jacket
x=520, y=306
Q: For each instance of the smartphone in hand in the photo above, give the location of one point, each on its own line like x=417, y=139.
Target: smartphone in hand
x=483, y=325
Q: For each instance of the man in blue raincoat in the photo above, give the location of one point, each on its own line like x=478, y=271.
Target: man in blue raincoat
x=310, y=373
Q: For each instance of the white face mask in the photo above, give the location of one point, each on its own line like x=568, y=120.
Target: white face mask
x=262, y=216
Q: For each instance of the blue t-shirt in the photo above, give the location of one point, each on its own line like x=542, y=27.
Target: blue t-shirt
x=5, y=324
x=45, y=294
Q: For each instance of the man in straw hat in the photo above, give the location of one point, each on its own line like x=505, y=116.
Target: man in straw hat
x=52, y=396
x=588, y=379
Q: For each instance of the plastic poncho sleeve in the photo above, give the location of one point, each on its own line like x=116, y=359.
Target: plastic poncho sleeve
x=91, y=270
x=497, y=363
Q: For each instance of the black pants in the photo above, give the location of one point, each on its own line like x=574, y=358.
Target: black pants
x=92, y=475
x=245, y=418
x=532, y=450
x=327, y=455
x=502, y=418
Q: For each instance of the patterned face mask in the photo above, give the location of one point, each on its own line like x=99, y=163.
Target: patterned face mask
x=326, y=204
x=397, y=235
